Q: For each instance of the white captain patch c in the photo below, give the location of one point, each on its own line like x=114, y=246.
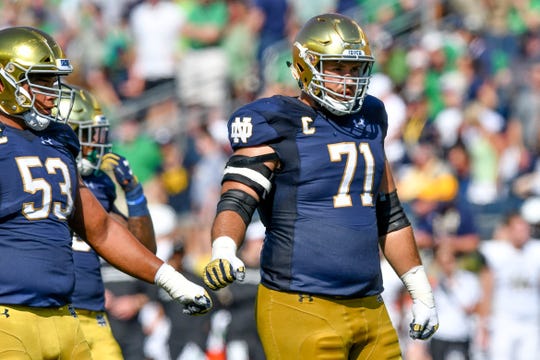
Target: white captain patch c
x=306, y=122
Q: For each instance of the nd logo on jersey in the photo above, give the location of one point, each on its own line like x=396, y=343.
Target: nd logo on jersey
x=241, y=130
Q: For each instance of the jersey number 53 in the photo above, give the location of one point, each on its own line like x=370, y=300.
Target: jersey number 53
x=39, y=185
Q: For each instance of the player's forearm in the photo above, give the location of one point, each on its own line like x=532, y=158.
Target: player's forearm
x=229, y=223
x=122, y=250
x=141, y=227
x=399, y=248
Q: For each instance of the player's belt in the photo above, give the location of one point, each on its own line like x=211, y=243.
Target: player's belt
x=45, y=311
x=85, y=312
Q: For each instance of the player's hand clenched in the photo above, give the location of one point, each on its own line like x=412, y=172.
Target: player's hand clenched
x=225, y=267
x=121, y=169
x=425, y=321
x=195, y=299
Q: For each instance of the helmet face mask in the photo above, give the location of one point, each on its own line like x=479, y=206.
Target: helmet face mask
x=92, y=128
x=324, y=41
x=94, y=139
x=31, y=64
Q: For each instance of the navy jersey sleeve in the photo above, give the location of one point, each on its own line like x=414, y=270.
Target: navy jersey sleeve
x=249, y=125
x=374, y=108
x=65, y=135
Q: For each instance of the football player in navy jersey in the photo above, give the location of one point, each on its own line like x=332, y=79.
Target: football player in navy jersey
x=315, y=168
x=42, y=198
x=88, y=121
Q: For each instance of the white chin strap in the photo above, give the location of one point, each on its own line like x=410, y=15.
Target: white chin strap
x=35, y=121
x=337, y=107
x=32, y=118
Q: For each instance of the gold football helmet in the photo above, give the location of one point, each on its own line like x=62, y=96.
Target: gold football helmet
x=332, y=37
x=26, y=54
x=92, y=127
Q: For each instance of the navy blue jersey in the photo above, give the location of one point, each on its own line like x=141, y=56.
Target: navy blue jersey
x=321, y=226
x=89, y=291
x=37, y=189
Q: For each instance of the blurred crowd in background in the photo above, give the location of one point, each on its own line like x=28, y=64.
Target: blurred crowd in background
x=460, y=80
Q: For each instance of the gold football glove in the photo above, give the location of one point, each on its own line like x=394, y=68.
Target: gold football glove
x=225, y=267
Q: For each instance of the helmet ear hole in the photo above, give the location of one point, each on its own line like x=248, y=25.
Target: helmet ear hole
x=295, y=74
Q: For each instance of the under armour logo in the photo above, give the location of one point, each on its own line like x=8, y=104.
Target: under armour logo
x=101, y=320
x=241, y=130
x=46, y=141
x=72, y=311
x=5, y=313
x=3, y=139
x=302, y=297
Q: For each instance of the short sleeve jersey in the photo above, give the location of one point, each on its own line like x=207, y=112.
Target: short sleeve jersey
x=321, y=226
x=37, y=190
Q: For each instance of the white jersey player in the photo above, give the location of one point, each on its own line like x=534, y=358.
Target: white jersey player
x=515, y=317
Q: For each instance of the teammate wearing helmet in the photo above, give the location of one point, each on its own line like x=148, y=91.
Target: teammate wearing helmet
x=315, y=168
x=42, y=198
x=88, y=121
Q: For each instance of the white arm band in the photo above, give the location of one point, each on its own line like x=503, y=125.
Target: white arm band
x=417, y=284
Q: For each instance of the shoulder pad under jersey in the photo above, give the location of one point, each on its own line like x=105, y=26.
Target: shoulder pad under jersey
x=103, y=188
x=254, y=124
x=373, y=108
x=65, y=135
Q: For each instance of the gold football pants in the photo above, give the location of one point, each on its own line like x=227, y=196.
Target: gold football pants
x=296, y=326
x=97, y=331
x=41, y=333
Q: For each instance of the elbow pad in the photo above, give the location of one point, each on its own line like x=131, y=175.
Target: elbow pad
x=390, y=214
x=251, y=171
x=240, y=202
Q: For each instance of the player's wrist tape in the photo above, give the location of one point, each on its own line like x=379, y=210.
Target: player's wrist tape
x=136, y=202
x=223, y=247
x=417, y=284
x=170, y=280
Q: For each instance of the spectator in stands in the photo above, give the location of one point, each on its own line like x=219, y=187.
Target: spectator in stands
x=458, y=294
x=240, y=44
x=272, y=19
x=526, y=107
x=449, y=120
x=428, y=176
x=205, y=190
x=133, y=142
x=382, y=87
x=188, y=335
x=203, y=68
x=483, y=134
x=155, y=27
